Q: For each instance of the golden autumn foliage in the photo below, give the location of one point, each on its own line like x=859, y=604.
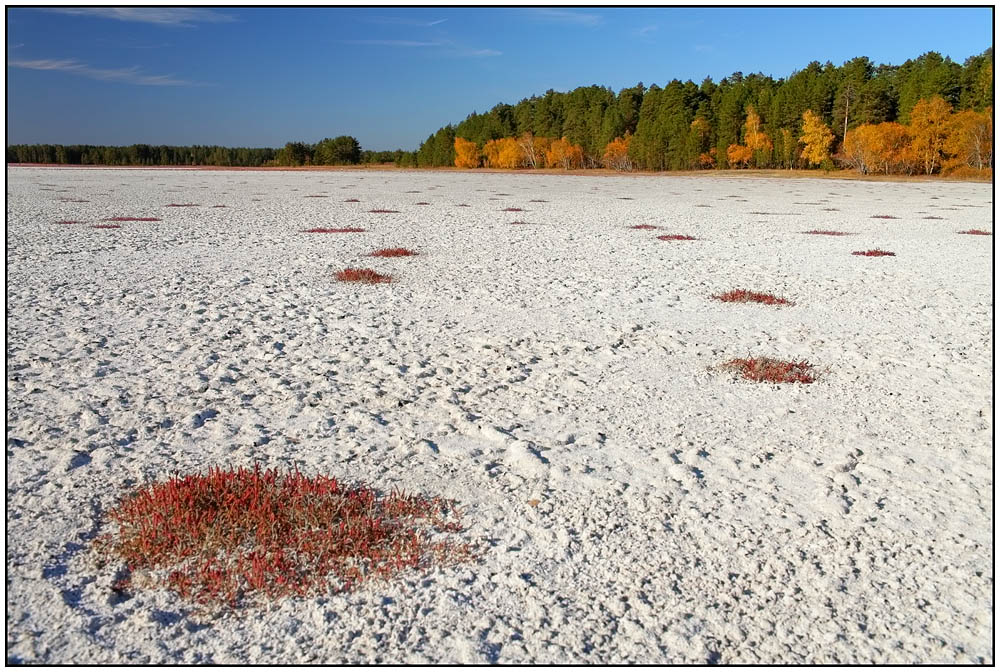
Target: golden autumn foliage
x=929, y=128
x=757, y=141
x=616, y=153
x=880, y=148
x=738, y=156
x=817, y=138
x=504, y=153
x=466, y=154
x=564, y=154
x=706, y=160
x=970, y=140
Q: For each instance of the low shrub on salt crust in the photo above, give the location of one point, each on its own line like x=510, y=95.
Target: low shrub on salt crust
x=363, y=275
x=768, y=370
x=230, y=537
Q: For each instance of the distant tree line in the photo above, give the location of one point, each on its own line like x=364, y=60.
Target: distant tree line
x=340, y=151
x=745, y=121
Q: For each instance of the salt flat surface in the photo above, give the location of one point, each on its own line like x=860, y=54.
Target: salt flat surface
x=684, y=516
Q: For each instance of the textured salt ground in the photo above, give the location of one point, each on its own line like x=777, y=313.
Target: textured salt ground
x=684, y=517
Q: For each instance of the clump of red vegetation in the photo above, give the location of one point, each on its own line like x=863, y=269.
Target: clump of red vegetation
x=644, y=227
x=884, y=217
x=818, y=232
x=233, y=536
x=131, y=219
x=767, y=370
x=676, y=236
x=423, y=203
x=520, y=222
x=317, y=196
x=380, y=211
x=394, y=252
x=874, y=253
x=364, y=275
x=513, y=210
x=181, y=205
x=348, y=229
x=352, y=200
x=746, y=296
x=977, y=232
x=106, y=226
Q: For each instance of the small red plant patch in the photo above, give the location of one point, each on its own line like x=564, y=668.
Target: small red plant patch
x=106, y=226
x=818, y=232
x=181, y=205
x=513, y=210
x=352, y=200
x=644, y=227
x=363, y=275
x=233, y=537
x=884, y=217
x=423, y=203
x=746, y=296
x=394, y=252
x=873, y=253
x=380, y=211
x=131, y=219
x=676, y=236
x=348, y=229
x=317, y=196
x=977, y=232
x=767, y=370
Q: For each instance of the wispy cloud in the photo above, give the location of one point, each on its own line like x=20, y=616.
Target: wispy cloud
x=131, y=75
x=395, y=43
x=482, y=52
x=403, y=21
x=645, y=31
x=445, y=47
x=162, y=16
x=567, y=17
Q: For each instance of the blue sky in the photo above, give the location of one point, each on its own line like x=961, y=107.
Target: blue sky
x=391, y=76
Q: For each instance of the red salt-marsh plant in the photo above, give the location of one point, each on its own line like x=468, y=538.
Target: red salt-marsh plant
x=873, y=253
x=317, y=196
x=181, y=205
x=348, y=229
x=423, y=203
x=106, y=226
x=352, y=200
x=363, y=275
x=513, y=210
x=768, y=370
x=884, y=217
x=131, y=219
x=977, y=232
x=746, y=296
x=676, y=236
x=233, y=537
x=818, y=232
x=394, y=252
x=643, y=227
x=381, y=211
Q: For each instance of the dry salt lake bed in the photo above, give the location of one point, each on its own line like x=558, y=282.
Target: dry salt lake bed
x=558, y=377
